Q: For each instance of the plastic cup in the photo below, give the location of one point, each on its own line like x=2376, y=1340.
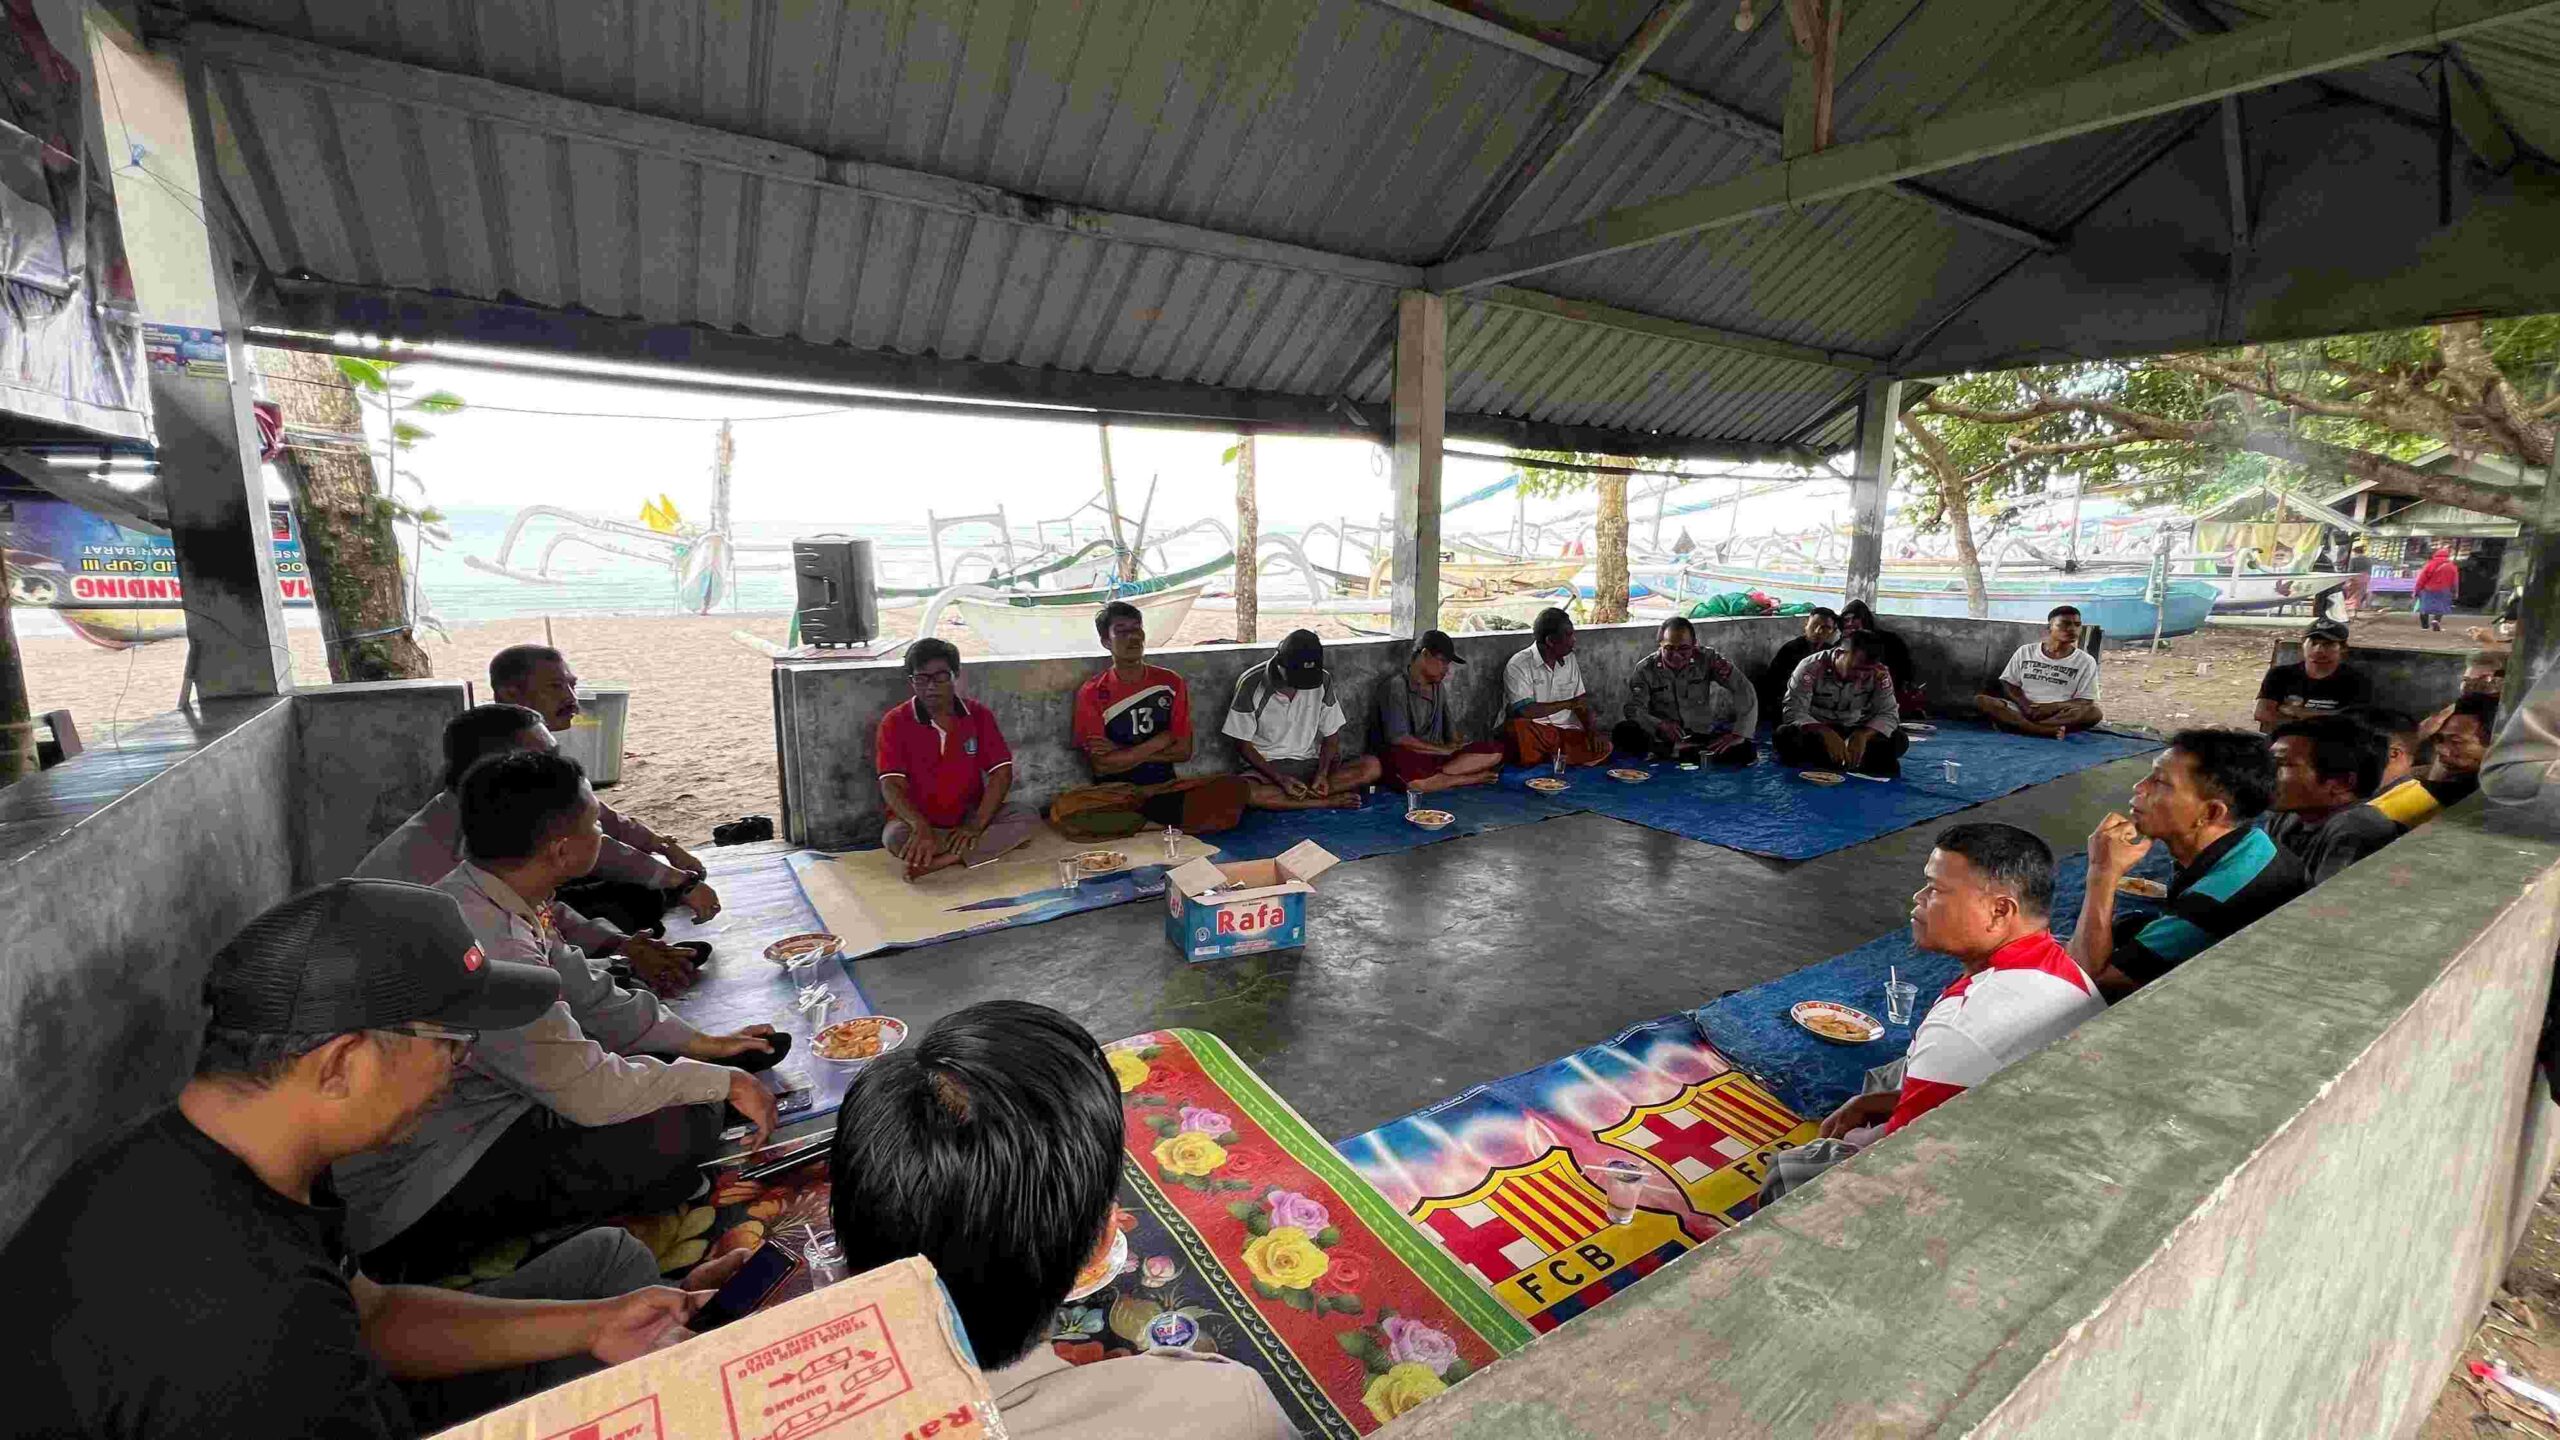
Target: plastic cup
x=1067, y=875
x=1621, y=1183
x=1953, y=771
x=823, y=1254
x=1899, y=997
x=1172, y=845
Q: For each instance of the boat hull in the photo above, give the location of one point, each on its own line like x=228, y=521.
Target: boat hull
x=2243, y=593
x=2113, y=603
x=1051, y=629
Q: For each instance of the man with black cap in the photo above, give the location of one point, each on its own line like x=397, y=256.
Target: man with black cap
x=191, y=1275
x=2322, y=684
x=1417, y=736
x=1287, y=725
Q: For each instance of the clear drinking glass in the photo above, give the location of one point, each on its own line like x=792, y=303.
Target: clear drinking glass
x=1899, y=997
x=1172, y=845
x=1066, y=874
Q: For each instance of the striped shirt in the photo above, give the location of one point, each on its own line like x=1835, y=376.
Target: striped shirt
x=2030, y=995
x=2235, y=881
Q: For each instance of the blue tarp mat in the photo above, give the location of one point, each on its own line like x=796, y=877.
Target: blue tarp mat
x=1770, y=809
x=1379, y=827
x=760, y=902
x=1751, y=1028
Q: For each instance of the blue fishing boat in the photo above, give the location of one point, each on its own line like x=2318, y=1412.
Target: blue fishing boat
x=2113, y=603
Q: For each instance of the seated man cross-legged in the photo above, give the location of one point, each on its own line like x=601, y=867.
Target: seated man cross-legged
x=1417, y=736
x=1287, y=725
x=1686, y=702
x=992, y=1147
x=569, y=1118
x=1840, y=712
x=1985, y=900
x=191, y=1276
x=1133, y=726
x=2050, y=687
x=1549, y=709
x=2201, y=799
x=945, y=771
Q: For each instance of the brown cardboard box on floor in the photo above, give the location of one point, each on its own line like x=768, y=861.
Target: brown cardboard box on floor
x=879, y=1355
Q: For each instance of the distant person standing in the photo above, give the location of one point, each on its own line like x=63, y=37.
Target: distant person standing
x=2322, y=684
x=2437, y=582
x=2359, y=580
x=2050, y=686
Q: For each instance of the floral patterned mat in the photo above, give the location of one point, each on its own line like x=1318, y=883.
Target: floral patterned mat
x=1249, y=1237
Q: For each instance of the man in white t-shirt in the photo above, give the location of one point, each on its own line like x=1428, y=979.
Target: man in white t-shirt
x=1288, y=727
x=1547, y=710
x=2050, y=688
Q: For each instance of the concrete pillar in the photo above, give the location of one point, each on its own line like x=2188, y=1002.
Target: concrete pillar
x=1879, y=407
x=1420, y=399
x=209, y=470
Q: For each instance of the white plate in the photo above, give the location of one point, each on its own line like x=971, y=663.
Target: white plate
x=1119, y=1265
x=893, y=1033
x=1803, y=1009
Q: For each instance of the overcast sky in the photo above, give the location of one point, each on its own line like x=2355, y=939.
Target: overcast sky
x=604, y=448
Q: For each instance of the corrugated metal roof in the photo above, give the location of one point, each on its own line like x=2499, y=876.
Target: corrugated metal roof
x=1368, y=130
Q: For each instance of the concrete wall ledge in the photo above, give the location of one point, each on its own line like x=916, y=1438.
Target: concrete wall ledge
x=2266, y=1196
x=826, y=711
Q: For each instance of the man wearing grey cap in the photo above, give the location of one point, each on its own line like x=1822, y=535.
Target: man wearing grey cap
x=1418, y=739
x=191, y=1275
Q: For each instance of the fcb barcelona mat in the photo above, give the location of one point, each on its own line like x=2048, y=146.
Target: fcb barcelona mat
x=1498, y=1176
x=1751, y=1029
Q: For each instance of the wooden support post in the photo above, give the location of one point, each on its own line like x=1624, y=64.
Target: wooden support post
x=1421, y=395
x=1879, y=408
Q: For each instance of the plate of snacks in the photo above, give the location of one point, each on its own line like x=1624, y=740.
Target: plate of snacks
x=1839, y=1024
x=1109, y=1259
x=1631, y=777
x=1549, y=784
x=1430, y=819
x=794, y=951
x=865, y=1037
x=1101, y=862
x=1825, y=777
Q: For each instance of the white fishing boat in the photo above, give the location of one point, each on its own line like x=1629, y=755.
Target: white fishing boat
x=1016, y=623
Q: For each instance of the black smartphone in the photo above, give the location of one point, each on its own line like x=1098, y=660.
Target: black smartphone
x=764, y=1271
x=794, y=1100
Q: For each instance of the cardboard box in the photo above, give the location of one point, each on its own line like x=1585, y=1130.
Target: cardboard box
x=1267, y=912
x=879, y=1355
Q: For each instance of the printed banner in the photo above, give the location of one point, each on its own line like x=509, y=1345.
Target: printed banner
x=62, y=557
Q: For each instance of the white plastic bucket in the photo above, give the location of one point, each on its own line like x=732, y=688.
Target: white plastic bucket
x=594, y=739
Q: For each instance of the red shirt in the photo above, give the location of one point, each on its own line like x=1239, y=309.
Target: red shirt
x=1129, y=715
x=2030, y=995
x=946, y=770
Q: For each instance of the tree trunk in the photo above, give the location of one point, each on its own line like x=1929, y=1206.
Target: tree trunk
x=17, y=728
x=347, y=538
x=1248, y=537
x=1609, y=582
x=1955, y=501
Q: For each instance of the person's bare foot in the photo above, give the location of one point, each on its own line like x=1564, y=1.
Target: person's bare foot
x=1347, y=800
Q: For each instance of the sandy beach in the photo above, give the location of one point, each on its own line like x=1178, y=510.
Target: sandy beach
x=699, y=750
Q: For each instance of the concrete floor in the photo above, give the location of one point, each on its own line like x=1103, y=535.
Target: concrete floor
x=1438, y=968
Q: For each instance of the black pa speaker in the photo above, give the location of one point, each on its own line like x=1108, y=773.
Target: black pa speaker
x=839, y=598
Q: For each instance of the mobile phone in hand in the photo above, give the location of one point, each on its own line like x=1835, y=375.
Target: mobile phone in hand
x=763, y=1273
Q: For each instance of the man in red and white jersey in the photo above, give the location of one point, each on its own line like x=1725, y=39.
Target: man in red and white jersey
x=1988, y=892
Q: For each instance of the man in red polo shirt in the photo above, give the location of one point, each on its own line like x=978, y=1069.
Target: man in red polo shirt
x=945, y=770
